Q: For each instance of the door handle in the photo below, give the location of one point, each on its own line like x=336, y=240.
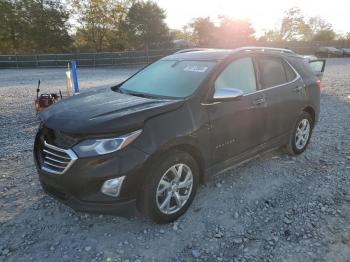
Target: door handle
x=259, y=101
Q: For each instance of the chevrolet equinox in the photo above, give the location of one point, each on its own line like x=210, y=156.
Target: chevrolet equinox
x=152, y=139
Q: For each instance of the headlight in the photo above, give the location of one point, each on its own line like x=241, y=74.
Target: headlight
x=93, y=147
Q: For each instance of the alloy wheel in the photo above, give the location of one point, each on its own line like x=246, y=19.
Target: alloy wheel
x=302, y=134
x=174, y=188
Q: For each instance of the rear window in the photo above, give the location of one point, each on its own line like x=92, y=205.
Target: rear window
x=316, y=66
x=303, y=67
x=271, y=71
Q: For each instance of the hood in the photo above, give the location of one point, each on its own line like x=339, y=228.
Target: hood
x=103, y=111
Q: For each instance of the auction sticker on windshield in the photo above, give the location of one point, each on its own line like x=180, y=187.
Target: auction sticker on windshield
x=198, y=69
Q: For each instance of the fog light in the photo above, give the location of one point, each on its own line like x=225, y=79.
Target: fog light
x=112, y=187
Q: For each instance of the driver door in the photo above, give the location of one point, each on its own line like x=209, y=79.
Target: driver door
x=237, y=125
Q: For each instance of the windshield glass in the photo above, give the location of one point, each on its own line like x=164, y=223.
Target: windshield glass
x=169, y=78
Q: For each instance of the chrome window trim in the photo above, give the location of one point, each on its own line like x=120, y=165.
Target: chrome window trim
x=268, y=88
x=287, y=83
x=69, y=152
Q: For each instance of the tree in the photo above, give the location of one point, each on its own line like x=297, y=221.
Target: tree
x=233, y=33
x=344, y=37
x=272, y=35
x=9, y=27
x=186, y=33
x=293, y=25
x=33, y=26
x=324, y=35
x=204, y=31
x=47, y=25
x=296, y=27
x=101, y=24
x=320, y=29
x=146, y=26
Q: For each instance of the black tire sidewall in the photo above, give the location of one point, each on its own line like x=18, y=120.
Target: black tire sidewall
x=147, y=202
x=293, y=147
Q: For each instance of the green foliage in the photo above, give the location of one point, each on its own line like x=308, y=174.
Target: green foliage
x=119, y=25
x=204, y=31
x=344, y=37
x=295, y=26
x=145, y=25
x=186, y=33
x=234, y=33
x=9, y=27
x=230, y=33
x=33, y=26
x=39, y=26
x=100, y=24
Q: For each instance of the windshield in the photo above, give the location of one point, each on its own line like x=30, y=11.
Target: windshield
x=169, y=78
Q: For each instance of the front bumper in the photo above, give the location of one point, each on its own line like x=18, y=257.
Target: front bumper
x=125, y=207
x=80, y=186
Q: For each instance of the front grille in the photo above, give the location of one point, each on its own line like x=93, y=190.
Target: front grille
x=56, y=160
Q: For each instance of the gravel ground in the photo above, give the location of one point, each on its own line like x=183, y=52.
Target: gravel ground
x=274, y=208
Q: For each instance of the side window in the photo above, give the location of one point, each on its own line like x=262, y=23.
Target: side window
x=239, y=74
x=271, y=71
x=317, y=66
x=290, y=74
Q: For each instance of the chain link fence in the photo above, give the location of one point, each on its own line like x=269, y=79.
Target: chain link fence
x=122, y=59
x=130, y=58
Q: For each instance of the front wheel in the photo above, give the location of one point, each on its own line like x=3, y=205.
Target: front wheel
x=169, y=187
x=301, y=134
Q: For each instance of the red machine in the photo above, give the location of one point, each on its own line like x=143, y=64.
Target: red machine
x=43, y=101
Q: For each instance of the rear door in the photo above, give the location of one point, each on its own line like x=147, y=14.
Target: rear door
x=318, y=66
x=285, y=94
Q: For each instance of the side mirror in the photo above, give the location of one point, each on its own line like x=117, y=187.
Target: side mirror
x=227, y=94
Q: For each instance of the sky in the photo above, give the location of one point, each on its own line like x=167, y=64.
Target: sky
x=263, y=14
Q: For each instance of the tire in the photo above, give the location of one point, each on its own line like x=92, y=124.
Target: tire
x=300, y=130
x=164, y=197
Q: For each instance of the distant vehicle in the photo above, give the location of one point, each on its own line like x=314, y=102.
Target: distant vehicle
x=346, y=51
x=154, y=137
x=329, y=51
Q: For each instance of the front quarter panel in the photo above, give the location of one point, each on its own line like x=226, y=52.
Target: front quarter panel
x=188, y=125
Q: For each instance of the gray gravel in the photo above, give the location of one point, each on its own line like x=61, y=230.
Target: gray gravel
x=274, y=208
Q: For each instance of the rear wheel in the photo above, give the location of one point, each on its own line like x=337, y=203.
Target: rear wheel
x=301, y=135
x=170, y=187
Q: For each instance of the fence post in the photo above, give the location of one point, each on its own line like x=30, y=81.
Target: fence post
x=147, y=54
x=16, y=61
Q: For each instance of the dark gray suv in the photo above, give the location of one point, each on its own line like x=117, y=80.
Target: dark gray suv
x=154, y=137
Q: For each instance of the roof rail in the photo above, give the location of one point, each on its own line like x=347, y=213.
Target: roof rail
x=240, y=49
x=192, y=50
x=257, y=48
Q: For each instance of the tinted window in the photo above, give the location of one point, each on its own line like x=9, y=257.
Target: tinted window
x=302, y=66
x=271, y=72
x=239, y=74
x=290, y=74
x=169, y=78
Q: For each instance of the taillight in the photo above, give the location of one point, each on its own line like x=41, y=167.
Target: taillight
x=318, y=82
